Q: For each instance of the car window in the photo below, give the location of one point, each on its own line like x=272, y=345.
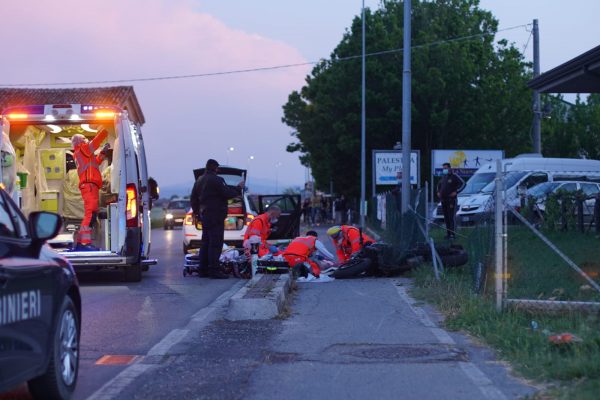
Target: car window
x=179, y=204
x=7, y=228
x=542, y=189
x=535, y=179
x=569, y=187
x=590, y=189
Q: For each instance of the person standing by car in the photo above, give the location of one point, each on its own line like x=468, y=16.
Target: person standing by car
x=261, y=228
x=209, y=204
x=447, y=190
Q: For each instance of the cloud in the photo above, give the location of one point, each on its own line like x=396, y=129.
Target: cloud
x=188, y=120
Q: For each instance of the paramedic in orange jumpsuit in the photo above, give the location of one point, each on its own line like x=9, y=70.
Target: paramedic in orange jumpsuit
x=90, y=182
x=301, y=250
x=261, y=227
x=346, y=239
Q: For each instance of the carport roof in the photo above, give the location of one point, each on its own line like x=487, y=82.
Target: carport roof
x=120, y=96
x=579, y=75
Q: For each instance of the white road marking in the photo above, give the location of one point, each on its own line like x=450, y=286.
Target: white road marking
x=478, y=377
x=202, y=318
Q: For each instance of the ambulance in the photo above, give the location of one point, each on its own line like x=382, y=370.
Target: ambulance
x=38, y=170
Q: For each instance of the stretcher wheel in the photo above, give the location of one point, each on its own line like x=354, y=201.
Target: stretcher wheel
x=185, y=272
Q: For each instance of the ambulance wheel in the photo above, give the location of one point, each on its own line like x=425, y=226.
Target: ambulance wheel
x=352, y=268
x=133, y=273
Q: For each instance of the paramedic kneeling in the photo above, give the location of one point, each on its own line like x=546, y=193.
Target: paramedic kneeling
x=347, y=241
x=260, y=227
x=303, y=250
x=209, y=204
x=90, y=181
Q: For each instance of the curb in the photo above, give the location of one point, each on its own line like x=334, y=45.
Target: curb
x=263, y=297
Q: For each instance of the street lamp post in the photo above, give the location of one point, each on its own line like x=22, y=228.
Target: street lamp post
x=363, y=129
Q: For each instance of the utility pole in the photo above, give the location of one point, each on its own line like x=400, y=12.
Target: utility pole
x=363, y=130
x=537, y=107
x=406, y=107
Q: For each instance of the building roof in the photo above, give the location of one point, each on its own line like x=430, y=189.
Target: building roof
x=120, y=96
x=579, y=75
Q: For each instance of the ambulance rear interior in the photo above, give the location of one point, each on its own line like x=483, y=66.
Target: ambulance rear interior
x=44, y=177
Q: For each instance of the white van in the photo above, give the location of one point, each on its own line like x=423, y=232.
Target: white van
x=41, y=175
x=526, y=172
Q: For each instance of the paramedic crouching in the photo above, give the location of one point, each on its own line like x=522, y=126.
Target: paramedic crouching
x=209, y=204
x=447, y=190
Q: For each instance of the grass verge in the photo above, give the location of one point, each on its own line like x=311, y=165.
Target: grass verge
x=573, y=371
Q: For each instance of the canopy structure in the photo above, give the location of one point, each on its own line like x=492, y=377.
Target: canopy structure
x=120, y=96
x=579, y=75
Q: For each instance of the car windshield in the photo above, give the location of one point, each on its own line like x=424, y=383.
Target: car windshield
x=477, y=182
x=510, y=180
x=180, y=204
x=542, y=189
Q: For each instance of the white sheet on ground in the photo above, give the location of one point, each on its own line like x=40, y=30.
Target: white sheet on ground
x=312, y=279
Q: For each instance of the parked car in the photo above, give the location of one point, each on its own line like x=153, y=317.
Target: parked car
x=40, y=306
x=175, y=212
x=122, y=235
x=242, y=211
x=543, y=190
x=523, y=172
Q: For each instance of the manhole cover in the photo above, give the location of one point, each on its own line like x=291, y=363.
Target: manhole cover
x=427, y=353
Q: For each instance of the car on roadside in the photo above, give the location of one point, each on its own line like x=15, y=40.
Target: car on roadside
x=542, y=191
x=175, y=212
x=242, y=210
x=40, y=306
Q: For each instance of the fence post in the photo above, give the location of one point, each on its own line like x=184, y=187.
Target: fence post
x=499, y=236
x=426, y=210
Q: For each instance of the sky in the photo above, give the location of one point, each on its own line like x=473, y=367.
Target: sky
x=191, y=120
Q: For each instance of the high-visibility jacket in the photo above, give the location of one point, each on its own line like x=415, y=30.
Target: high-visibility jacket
x=302, y=246
x=88, y=164
x=259, y=226
x=349, y=243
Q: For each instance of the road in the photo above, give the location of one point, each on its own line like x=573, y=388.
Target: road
x=130, y=318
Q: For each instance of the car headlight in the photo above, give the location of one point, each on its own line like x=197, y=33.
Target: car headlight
x=169, y=216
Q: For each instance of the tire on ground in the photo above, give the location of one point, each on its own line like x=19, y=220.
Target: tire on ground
x=352, y=268
x=51, y=384
x=456, y=259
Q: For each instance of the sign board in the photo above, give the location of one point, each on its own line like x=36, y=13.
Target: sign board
x=464, y=162
x=387, y=165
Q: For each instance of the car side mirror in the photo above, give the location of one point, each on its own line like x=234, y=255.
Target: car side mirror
x=154, y=190
x=44, y=225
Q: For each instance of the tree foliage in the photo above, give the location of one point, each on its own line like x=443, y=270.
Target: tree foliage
x=467, y=93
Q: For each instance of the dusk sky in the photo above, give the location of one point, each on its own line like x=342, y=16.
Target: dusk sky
x=191, y=120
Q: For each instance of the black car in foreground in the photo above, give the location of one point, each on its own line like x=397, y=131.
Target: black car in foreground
x=40, y=306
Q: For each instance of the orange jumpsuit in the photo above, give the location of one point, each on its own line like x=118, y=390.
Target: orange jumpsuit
x=349, y=243
x=299, y=251
x=261, y=227
x=90, y=182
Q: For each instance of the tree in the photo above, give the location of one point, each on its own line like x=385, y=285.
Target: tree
x=467, y=93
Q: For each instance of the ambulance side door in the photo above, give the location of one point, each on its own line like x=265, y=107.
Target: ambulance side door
x=27, y=299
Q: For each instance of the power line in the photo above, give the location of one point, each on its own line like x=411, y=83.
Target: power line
x=259, y=69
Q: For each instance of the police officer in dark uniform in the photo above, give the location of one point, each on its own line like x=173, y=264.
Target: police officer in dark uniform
x=209, y=204
x=447, y=190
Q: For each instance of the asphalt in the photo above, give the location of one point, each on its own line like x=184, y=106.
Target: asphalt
x=130, y=318
x=351, y=339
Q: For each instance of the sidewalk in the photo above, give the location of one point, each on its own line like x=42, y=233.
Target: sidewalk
x=360, y=339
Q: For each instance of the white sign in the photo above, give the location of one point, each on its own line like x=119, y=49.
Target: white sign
x=464, y=162
x=388, y=167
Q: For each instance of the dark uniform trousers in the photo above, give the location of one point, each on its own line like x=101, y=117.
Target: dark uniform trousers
x=213, y=229
x=449, y=208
